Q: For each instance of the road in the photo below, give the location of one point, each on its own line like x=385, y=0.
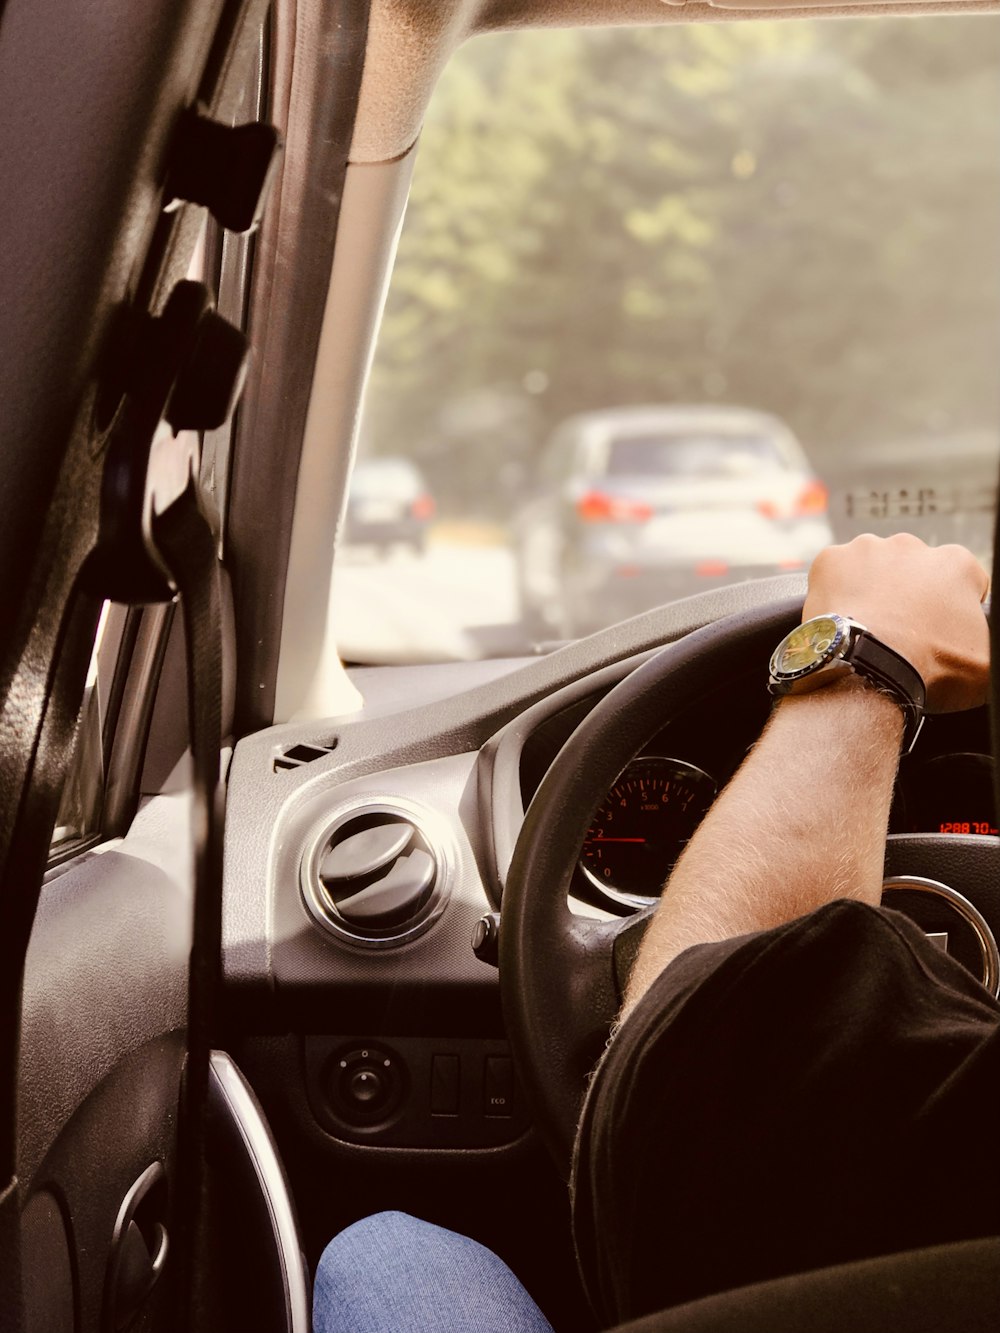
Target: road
x=459, y=601
x=456, y=602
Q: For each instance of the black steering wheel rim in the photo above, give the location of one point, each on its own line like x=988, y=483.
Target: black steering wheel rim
x=557, y=977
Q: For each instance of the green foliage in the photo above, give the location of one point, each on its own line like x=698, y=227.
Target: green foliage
x=802, y=217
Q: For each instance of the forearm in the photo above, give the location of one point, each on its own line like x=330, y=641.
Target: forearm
x=803, y=822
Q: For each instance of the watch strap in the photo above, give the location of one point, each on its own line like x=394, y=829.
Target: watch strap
x=876, y=659
x=890, y=671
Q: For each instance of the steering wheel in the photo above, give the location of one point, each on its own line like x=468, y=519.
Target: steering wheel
x=562, y=975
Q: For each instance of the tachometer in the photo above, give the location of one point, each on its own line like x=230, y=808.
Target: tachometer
x=642, y=826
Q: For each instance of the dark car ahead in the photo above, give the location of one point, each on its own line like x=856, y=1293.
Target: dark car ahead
x=388, y=505
x=635, y=506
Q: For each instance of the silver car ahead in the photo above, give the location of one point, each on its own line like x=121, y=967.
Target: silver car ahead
x=636, y=506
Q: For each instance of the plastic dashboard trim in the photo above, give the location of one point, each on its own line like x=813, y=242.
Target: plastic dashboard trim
x=261, y=801
x=501, y=810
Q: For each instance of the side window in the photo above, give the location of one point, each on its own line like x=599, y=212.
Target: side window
x=81, y=818
x=80, y=821
x=130, y=642
x=81, y=809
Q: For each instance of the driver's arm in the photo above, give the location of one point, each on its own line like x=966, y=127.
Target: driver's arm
x=804, y=820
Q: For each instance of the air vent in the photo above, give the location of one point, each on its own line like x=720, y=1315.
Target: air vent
x=298, y=755
x=374, y=877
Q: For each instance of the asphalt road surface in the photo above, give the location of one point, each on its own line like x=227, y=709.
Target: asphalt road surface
x=459, y=601
x=455, y=602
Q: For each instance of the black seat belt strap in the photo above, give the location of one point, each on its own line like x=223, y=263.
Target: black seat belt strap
x=186, y=543
x=155, y=542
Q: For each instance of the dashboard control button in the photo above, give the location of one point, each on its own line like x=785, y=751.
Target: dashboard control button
x=486, y=939
x=365, y=1085
x=435, y=1090
x=445, y=1084
x=498, y=1086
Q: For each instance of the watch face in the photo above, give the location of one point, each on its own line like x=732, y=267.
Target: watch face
x=807, y=647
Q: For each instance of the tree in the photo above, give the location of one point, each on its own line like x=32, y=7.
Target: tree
x=795, y=216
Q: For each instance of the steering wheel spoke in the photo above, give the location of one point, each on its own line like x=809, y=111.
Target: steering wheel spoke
x=949, y=884
x=593, y=989
x=628, y=938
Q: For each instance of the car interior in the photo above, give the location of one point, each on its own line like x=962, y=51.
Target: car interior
x=290, y=936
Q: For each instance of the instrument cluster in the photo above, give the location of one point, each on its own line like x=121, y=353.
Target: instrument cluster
x=645, y=821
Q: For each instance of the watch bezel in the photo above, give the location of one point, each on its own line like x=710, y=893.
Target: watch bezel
x=837, y=648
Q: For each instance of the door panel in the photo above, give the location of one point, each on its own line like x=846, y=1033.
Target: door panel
x=101, y=1052
x=133, y=1108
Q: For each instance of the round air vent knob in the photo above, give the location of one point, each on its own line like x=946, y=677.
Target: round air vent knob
x=378, y=875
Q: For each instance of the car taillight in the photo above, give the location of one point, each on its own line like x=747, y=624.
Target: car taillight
x=812, y=500
x=422, y=507
x=598, y=507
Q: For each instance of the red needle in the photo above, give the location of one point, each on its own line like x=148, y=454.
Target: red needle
x=616, y=839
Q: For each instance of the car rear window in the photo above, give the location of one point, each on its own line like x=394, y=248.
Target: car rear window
x=691, y=455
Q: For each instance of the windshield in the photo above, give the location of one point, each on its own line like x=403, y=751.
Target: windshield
x=675, y=308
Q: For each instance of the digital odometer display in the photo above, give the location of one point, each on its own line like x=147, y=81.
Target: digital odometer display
x=643, y=825
x=953, y=794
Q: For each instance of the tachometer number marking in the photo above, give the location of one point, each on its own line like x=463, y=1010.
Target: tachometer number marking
x=658, y=803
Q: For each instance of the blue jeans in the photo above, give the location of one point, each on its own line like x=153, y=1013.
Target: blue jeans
x=391, y=1273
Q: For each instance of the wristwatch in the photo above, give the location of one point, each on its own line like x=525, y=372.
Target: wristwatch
x=829, y=647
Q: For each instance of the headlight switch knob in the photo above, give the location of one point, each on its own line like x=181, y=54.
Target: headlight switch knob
x=486, y=939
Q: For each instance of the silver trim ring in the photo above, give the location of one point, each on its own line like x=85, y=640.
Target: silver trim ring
x=431, y=828
x=970, y=914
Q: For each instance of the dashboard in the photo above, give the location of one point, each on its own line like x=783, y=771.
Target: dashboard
x=362, y=851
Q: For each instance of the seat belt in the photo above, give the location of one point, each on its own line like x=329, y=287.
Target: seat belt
x=184, y=538
x=157, y=542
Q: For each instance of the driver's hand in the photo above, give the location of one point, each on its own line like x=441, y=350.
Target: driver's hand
x=923, y=601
